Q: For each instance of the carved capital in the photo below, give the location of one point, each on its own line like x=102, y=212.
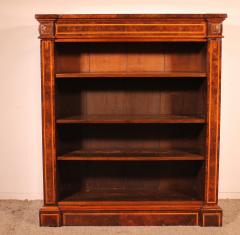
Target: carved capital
x=214, y=29
x=46, y=29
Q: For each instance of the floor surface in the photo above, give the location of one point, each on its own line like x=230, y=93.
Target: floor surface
x=21, y=217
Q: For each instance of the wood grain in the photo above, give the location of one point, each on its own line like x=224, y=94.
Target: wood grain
x=48, y=120
x=213, y=132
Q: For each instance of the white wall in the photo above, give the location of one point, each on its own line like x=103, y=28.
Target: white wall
x=20, y=115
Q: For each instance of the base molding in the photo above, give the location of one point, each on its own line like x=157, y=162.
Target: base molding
x=54, y=216
x=130, y=218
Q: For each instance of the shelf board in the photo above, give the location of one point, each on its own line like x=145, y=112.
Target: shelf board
x=127, y=195
x=132, y=75
x=147, y=204
x=129, y=155
x=128, y=119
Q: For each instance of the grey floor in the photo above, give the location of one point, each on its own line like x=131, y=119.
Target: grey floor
x=21, y=217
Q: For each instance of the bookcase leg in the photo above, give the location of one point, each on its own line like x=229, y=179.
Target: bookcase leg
x=211, y=217
x=50, y=217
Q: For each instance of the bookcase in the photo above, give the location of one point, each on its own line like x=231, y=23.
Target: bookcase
x=130, y=113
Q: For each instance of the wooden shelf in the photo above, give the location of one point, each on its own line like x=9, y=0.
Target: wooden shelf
x=132, y=75
x=119, y=195
x=129, y=155
x=149, y=204
x=130, y=119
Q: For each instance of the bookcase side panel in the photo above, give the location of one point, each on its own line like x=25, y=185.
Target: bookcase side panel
x=212, y=160
x=48, y=121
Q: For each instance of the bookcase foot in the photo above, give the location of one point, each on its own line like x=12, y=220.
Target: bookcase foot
x=50, y=217
x=211, y=216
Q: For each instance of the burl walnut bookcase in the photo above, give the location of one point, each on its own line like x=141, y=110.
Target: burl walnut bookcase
x=131, y=110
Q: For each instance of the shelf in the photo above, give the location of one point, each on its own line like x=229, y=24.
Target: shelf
x=132, y=204
x=129, y=155
x=128, y=195
x=132, y=75
x=130, y=119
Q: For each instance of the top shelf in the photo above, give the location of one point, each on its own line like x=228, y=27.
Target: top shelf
x=133, y=75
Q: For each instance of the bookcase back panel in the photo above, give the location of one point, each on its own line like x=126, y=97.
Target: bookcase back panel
x=151, y=137
x=130, y=57
x=130, y=180
x=142, y=96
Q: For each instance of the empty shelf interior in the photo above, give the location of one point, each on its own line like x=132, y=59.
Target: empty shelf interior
x=130, y=181
x=125, y=98
x=130, y=57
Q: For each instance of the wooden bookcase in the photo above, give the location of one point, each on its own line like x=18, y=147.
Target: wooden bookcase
x=131, y=107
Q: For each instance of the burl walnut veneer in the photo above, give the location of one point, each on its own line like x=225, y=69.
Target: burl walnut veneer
x=130, y=113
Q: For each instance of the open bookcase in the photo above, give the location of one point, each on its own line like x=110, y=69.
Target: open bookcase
x=130, y=119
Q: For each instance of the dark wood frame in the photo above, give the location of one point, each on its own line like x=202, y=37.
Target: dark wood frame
x=131, y=28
